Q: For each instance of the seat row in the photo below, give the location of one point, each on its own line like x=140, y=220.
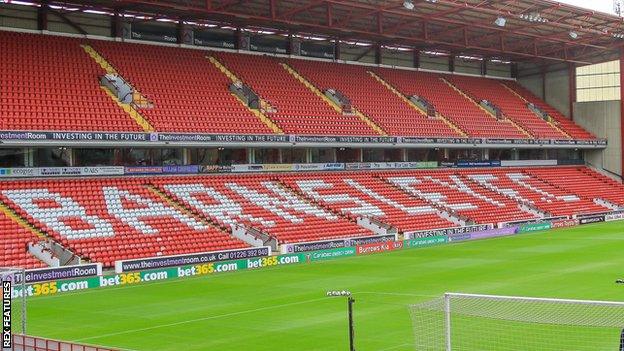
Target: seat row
x=56, y=83
x=109, y=219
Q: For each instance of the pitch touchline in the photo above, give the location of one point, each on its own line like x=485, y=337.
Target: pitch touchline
x=199, y=319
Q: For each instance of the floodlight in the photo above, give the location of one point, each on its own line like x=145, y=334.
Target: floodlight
x=500, y=21
x=408, y=4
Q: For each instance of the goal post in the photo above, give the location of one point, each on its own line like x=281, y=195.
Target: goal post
x=471, y=322
x=14, y=278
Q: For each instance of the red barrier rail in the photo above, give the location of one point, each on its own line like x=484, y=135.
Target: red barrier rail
x=31, y=343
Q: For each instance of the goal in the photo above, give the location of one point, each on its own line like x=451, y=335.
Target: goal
x=469, y=322
x=18, y=293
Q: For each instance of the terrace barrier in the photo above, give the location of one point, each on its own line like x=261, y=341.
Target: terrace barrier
x=32, y=343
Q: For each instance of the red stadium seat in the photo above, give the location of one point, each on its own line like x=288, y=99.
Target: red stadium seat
x=457, y=108
x=14, y=240
x=189, y=93
x=370, y=97
x=120, y=218
x=54, y=86
x=563, y=122
x=511, y=105
x=299, y=110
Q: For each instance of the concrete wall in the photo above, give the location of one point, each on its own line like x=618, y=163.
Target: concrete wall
x=557, y=87
x=90, y=23
x=434, y=62
x=25, y=17
x=534, y=84
x=397, y=58
x=466, y=66
x=351, y=52
x=499, y=69
x=603, y=119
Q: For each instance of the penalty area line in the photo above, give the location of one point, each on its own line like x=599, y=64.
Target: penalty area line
x=130, y=331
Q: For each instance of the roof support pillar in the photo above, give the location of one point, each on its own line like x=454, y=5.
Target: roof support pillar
x=115, y=25
x=337, y=49
x=622, y=107
x=451, y=63
x=237, y=38
x=42, y=16
x=543, y=83
x=572, y=87
x=179, y=32
x=514, y=70
x=378, y=53
x=416, y=58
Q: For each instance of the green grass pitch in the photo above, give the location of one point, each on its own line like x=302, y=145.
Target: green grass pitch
x=285, y=308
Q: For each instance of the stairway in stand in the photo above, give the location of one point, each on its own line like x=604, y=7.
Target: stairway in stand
x=130, y=108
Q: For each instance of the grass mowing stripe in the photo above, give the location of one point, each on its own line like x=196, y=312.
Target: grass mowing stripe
x=130, y=331
x=579, y=263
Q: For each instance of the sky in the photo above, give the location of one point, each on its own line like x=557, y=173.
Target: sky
x=599, y=5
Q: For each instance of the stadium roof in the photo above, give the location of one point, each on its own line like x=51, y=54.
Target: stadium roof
x=535, y=31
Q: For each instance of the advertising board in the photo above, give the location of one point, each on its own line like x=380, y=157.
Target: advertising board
x=180, y=260
x=533, y=227
x=591, y=219
x=447, y=231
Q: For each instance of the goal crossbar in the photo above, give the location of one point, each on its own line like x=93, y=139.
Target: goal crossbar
x=537, y=299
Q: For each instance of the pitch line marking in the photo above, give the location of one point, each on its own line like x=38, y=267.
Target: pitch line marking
x=199, y=319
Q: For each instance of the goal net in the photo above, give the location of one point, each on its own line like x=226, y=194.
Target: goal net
x=13, y=278
x=467, y=322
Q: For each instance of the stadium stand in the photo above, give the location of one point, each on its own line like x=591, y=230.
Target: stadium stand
x=110, y=219
x=260, y=202
x=523, y=187
x=511, y=105
x=360, y=195
x=460, y=110
x=574, y=130
x=54, y=86
x=189, y=94
x=584, y=182
x=450, y=190
x=298, y=109
x=14, y=240
x=371, y=98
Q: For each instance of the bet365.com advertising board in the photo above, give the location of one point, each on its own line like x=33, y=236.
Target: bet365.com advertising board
x=71, y=285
